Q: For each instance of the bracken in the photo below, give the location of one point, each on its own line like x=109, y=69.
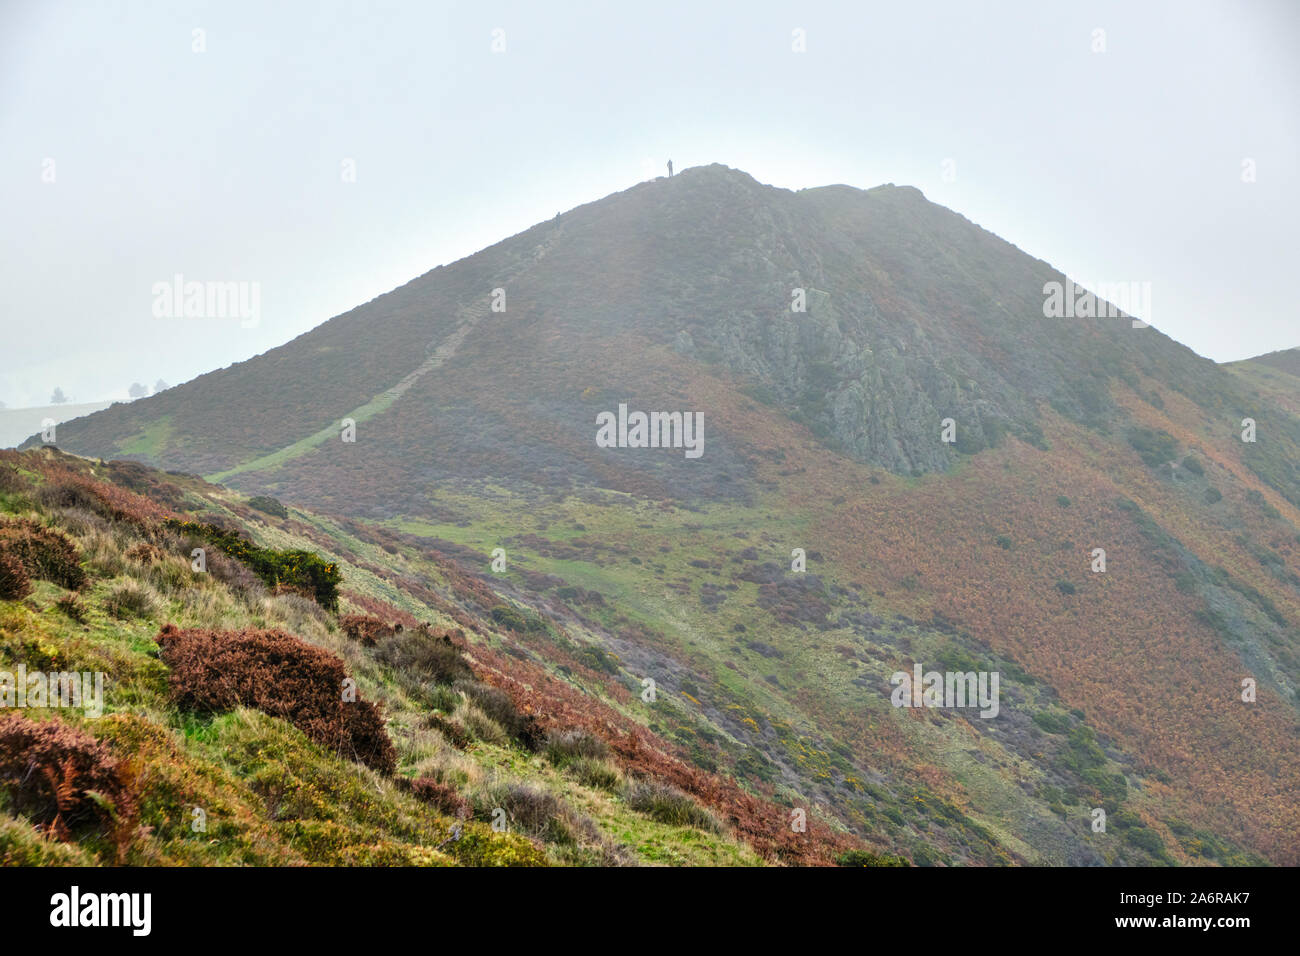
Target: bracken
x=280, y=675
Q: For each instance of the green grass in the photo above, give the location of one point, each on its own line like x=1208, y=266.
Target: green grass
x=151, y=441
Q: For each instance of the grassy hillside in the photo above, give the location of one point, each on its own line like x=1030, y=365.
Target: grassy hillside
x=479, y=732
x=476, y=498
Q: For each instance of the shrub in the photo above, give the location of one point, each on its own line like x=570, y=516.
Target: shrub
x=564, y=746
x=455, y=733
x=1051, y=722
x=480, y=726
x=62, y=778
x=1213, y=496
x=598, y=659
x=79, y=523
x=1065, y=587
x=44, y=552
x=299, y=615
x=867, y=858
x=70, y=606
x=441, y=697
x=280, y=675
x=363, y=736
x=235, y=575
x=11, y=479
x=268, y=505
x=144, y=552
x=519, y=621
x=534, y=811
x=67, y=493
x=442, y=797
x=1259, y=501
x=1112, y=787
x=112, y=501
x=130, y=598
x=424, y=655
x=500, y=709
x=667, y=804
x=303, y=570
x=1154, y=446
x=1194, y=466
x=1147, y=840
x=1004, y=542
x=367, y=630
x=14, y=582
x=1063, y=501
x=598, y=774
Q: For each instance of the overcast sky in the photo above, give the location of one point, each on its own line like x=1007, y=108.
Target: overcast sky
x=226, y=164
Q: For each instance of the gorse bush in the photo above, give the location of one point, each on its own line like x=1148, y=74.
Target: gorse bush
x=268, y=505
x=299, y=570
x=518, y=620
x=1155, y=447
x=44, y=552
x=280, y=675
x=62, y=778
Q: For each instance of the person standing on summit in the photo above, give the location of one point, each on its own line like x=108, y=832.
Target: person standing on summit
x=670, y=169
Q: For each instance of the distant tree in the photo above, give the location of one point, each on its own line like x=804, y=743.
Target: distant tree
x=160, y=386
x=137, y=390
x=57, y=397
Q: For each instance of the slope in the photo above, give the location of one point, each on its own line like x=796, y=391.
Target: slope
x=824, y=433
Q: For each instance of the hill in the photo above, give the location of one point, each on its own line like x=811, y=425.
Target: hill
x=477, y=757
x=1276, y=375
x=828, y=537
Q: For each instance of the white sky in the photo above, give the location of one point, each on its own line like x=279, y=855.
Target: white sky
x=225, y=165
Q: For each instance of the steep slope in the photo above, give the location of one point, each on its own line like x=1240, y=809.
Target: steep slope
x=492, y=761
x=824, y=432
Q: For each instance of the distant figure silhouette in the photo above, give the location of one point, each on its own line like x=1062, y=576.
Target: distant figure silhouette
x=670, y=169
